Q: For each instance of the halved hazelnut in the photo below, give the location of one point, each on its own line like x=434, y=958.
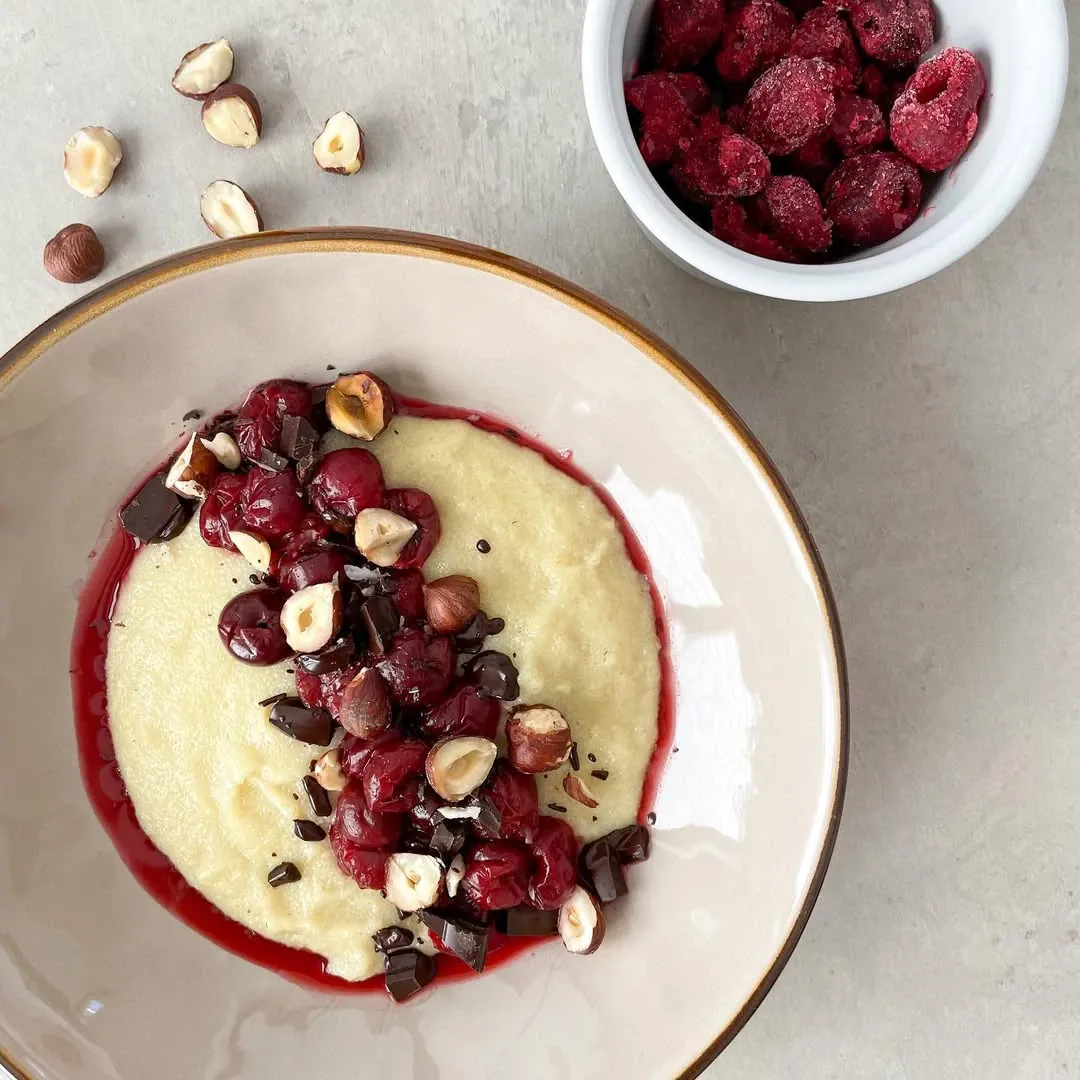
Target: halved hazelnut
x=312, y=616
x=340, y=145
x=90, y=159
x=581, y=922
x=457, y=766
x=575, y=787
x=380, y=535
x=223, y=447
x=254, y=548
x=451, y=603
x=365, y=705
x=413, y=881
x=74, y=255
x=454, y=873
x=204, y=69
x=193, y=472
x=228, y=210
x=328, y=771
x=232, y=116
x=359, y=405
x=538, y=738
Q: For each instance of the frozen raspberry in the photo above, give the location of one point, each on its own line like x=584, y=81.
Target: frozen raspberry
x=554, y=869
x=496, y=876
x=824, y=34
x=719, y=163
x=220, y=512
x=879, y=87
x=420, y=509
x=390, y=774
x=858, y=125
x=325, y=691
x=683, y=31
x=271, y=503
x=515, y=796
x=419, y=667
x=346, y=482
x=934, y=120
x=756, y=35
x=790, y=104
x=258, y=426
x=896, y=32
x=357, y=823
x=792, y=207
x=464, y=712
x=731, y=223
x=873, y=197
x=668, y=104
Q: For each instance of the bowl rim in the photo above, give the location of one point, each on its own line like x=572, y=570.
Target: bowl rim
x=396, y=242
x=879, y=271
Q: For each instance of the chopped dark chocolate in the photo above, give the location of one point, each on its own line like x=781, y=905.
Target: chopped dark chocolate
x=526, y=921
x=156, y=514
x=318, y=797
x=391, y=939
x=471, y=639
x=192, y=414
x=311, y=831
x=295, y=719
x=408, y=972
x=489, y=820
x=447, y=839
x=270, y=459
x=283, y=874
x=483, y=547
x=592, y=757
x=467, y=940
x=273, y=699
x=381, y=620
x=305, y=468
x=601, y=871
x=631, y=843
x=600, y=774
x=557, y=807
x=495, y=675
x=299, y=439
x=337, y=655
x=575, y=761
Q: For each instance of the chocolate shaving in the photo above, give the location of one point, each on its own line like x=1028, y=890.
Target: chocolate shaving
x=483, y=547
x=381, y=620
x=600, y=774
x=283, y=874
x=255, y=579
x=526, y=921
x=557, y=807
x=467, y=940
x=575, y=761
x=299, y=439
x=270, y=459
x=310, y=831
x=295, y=719
x=447, y=839
x=337, y=655
x=318, y=797
x=392, y=939
x=408, y=972
x=192, y=414
x=601, y=871
x=592, y=757
x=489, y=821
x=156, y=514
x=650, y=817
x=495, y=675
x=273, y=699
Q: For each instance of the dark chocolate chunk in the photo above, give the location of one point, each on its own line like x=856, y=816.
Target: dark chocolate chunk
x=557, y=807
x=270, y=459
x=308, y=830
x=299, y=439
x=495, y=675
x=156, y=514
x=192, y=414
x=650, y=817
x=575, y=761
x=592, y=757
x=479, y=628
x=447, y=839
x=392, y=939
x=274, y=699
x=283, y=874
x=408, y=972
x=631, y=843
x=464, y=938
x=318, y=797
x=295, y=719
x=337, y=655
x=489, y=820
x=255, y=579
x=483, y=547
x=305, y=468
x=600, y=774
x=526, y=921
x=601, y=871
x=381, y=620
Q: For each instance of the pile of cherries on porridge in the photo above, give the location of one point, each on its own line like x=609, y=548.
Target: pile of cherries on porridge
x=800, y=130
x=393, y=679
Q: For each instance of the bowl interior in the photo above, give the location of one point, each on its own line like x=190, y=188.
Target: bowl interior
x=94, y=975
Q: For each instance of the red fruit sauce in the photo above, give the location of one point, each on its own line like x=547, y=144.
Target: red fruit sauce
x=156, y=874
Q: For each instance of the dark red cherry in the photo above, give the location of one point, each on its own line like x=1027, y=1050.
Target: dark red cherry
x=390, y=774
x=346, y=482
x=357, y=823
x=271, y=503
x=250, y=627
x=419, y=508
x=325, y=691
x=220, y=513
x=366, y=868
x=306, y=537
x=554, y=864
x=354, y=752
x=496, y=876
x=419, y=667
x=406, y=589
x=515, y=797
x=258, y=425
x=464, y=712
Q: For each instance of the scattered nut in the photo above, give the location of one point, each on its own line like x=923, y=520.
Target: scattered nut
x=204, y=69
x=451, y=603
x=90, y=159
x=232, y=116
x=457, y=766
x=223, y=447
x=413, y=881
x=228, y=210
x=575, y=787
x=538, y=738
x=328, y=771
x=74, y=255
x=312, y=616
x=581, y=922
x=254, y=548
x=380, y=535
x=340, y=146
x=365, y=705
x=192, y=473
x=359, y=405
x=454, y=873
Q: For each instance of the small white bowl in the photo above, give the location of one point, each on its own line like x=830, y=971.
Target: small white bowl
x=1024, y=47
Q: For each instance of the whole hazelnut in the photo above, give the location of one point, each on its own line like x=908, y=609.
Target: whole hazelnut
x=451, y=603
x=365, y=705
x=538, y=738
x=74, y=255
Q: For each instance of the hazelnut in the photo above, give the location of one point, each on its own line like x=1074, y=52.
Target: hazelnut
x=575, y=787
x=328, y=771
x=192, y=473
x=254, y=548
x=223, y=447
x=232, y=116
x=451, y=603
x=581, y=922
x=365, y=705
x=228, y=210
x=413, y=881
x=340, y=145
x=312, y=616
x=454, y=873
x=538, y=738
x=90, y=159
x=457, y=766
x=359, y=405
x=380, y=535
x=74, y=255
x=204, y=69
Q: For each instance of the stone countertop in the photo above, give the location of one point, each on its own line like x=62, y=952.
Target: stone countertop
x=930, y=436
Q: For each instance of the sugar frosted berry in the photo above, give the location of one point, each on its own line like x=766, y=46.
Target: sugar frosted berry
x=873, y=197
x=792, y=208
x=756, y=36
x=858, y=125
x=719, y=163
x=732, y=224
x=668, y=104
x=683, y=31
x=895, y=32
x=824, y=35
x=790, y=104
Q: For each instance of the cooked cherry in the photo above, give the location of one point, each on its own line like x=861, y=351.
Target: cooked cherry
x=325, y=691
x=220, y=513
x=515, y=797
x=346, y=482
x=390, y=775
x=305, y=538
x=419, y=667
x=418, y=507
x=313, y=568
x=250, y=627
x=360, y=825
x=354, y=752
x=272, y=503
x=464, y=712
x=258, y=426
x=366, y=868
x=496, y=876
x=554, y=866
x=406, y=589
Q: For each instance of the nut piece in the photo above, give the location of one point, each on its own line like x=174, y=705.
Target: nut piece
x=74, y=255
x=192, y=473
x=228, y=210
x=90, y=159
x=451, y=603
x=365, y=705
x=312, y=616
x=457, y=766
x=581, y=923
x=454, y=873
x=232, y=116
x=380, y=535
x=575, y=787
x=413, y=881
x=538, y=738
x=359, y=405
x=223, y=447
x=254, y=548
x=340, y=146
x=204, y=69
x=328, y=771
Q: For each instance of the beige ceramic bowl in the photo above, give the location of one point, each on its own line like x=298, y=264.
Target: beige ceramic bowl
x=97, y=982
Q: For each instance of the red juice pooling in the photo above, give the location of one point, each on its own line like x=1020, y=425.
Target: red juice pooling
x=115, y=811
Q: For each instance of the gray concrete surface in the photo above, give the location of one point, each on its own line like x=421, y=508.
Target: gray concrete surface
x=930, y=437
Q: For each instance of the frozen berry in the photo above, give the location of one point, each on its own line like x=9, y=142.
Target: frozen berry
x=496, y=876
x=814, y=161
x=420, y=509
x=346, y=482
x=895, y=32
x=390, y=774
x=668, y=104
x=873, y=197
x=755, y=36
x=793, y=209
x=790, y=104
x=824, y=34
x=515, y=797
x=880, y=88
x=220, y=512
x=250, y=627
x=720, y=163
x=858, y=125
x=314, y=567
x=735, y=117
x=683, y=31
x=325, y=691
x=935, y=118
x=258, y=425
x=419, y=667
x=464, y=712
x=731, y=223
x=554, y=869
x=357, y=823
x=271, y=503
